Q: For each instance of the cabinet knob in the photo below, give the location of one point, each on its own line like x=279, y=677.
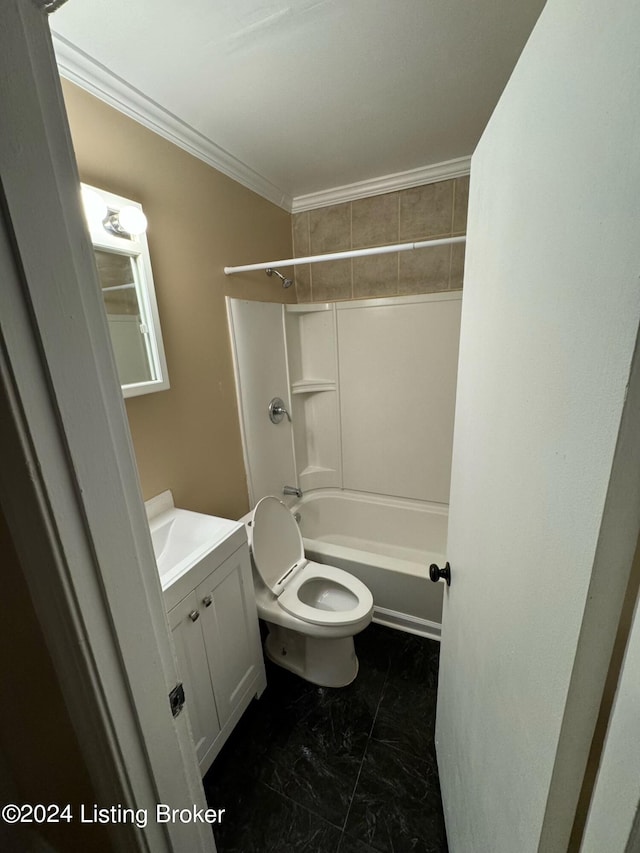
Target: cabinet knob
x=207, y=601
x=194, y=615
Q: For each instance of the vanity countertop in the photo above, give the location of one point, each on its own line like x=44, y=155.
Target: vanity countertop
x=186, y=542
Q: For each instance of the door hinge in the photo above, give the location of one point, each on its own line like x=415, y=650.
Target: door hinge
x=176, y=699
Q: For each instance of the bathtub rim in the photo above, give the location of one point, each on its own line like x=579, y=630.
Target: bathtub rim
x=371, y=498
x=333, y=554
x=381, y=615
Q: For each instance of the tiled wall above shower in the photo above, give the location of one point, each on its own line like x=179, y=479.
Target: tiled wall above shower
x=419, y=213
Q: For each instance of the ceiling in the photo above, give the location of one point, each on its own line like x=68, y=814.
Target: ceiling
x=298, y=97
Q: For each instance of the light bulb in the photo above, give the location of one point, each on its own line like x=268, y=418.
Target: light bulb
x=95, y=207
x=132, y=220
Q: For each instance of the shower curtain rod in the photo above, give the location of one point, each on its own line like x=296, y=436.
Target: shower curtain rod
x=353, y=253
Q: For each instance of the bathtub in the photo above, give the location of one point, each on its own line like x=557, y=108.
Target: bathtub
x=387, y=543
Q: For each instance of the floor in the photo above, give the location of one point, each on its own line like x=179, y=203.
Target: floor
x=350, y=770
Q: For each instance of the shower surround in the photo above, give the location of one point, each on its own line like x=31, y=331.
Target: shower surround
x=370, y=387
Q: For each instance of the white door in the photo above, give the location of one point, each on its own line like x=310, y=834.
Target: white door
x=545, y=495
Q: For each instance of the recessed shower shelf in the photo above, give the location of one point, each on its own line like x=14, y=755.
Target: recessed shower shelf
x=317, y=469
x=308, y=307
x=311, y=386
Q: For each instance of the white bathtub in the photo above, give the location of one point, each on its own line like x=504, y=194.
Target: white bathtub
x=388, y=544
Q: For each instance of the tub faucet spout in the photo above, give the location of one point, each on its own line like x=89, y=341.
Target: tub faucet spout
x=292, y=490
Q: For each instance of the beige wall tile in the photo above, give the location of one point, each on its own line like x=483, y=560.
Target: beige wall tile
x=426, y=211
x=460, y=204
x=331, y=280
x=302, y=277
x=374, y=220
x=376, y=275
x=418, y=213
x=330, y=229
x=424, y=270
x=457, y=266
x=300, y=233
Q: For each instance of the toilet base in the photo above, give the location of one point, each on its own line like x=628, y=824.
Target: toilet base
x=327, y=663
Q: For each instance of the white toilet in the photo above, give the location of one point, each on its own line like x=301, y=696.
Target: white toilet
x=312, y=610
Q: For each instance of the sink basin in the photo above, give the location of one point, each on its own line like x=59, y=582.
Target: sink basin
x=181, y=538
x=160, y=537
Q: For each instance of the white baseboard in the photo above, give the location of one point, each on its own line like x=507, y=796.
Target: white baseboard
x=409, y=624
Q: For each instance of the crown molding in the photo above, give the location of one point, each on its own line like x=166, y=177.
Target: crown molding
x=95, y=78
x=385, y=184
x=81, y=69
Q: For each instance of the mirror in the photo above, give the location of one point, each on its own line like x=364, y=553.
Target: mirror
x=117, y=227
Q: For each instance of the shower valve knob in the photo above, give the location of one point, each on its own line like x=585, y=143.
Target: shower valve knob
x=277, y=411
x=435, y=573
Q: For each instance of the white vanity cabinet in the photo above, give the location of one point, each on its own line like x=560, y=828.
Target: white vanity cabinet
x=230, y=631
x=194, y=674
x=205, y=572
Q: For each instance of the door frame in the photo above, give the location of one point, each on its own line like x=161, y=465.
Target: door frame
x=68, y=482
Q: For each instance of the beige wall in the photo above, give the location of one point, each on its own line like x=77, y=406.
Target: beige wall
x=188, y=438
x=433, y=210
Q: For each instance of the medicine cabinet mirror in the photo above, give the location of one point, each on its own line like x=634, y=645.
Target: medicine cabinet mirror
x=117, y=226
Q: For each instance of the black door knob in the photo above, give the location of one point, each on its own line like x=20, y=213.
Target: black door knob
x=435, y=573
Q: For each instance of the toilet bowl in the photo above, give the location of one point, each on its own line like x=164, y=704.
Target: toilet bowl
x=312, y=610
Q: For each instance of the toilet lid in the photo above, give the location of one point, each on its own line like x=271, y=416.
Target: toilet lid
x=276, y=541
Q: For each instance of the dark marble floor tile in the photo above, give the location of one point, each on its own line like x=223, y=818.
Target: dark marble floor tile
x=396, y=807
x=289, y=702
x=352, y=845
x=236, y=793
x=230, y=780
x=304, y=702
x=303, y=741
x=263, y=821
x=318, y=769
x=291, y=707
x=414, y=659
x=406, y=718
x=287, y=775
x=406, y=713
x=244, y=750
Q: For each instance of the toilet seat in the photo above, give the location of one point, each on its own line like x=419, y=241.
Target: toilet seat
x=290, y=601
x=278, y=554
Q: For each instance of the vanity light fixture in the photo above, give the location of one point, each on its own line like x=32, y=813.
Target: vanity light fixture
x=95, y=207
x=127, y=220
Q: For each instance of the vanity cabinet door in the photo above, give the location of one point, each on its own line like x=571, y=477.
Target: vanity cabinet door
x=230, y=629
x=185, y=621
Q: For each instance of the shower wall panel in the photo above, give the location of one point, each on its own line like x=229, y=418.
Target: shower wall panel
x=398, y=363
x=370, y=385
x=260, y=362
